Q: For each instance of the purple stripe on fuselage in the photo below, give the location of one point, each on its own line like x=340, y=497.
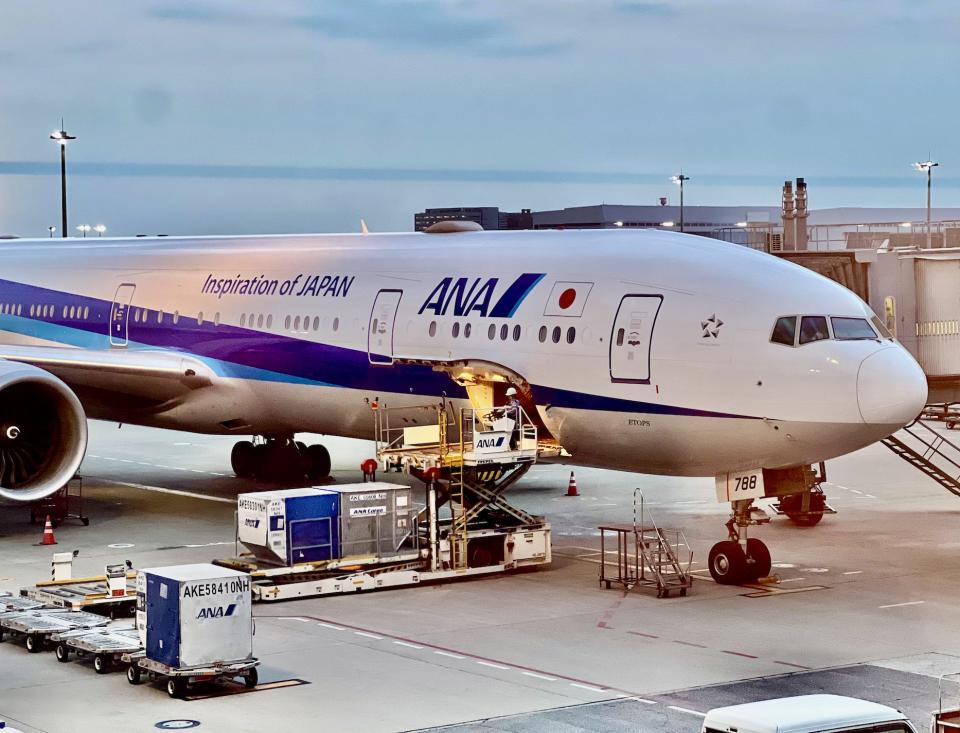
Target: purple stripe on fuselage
x=298, y=359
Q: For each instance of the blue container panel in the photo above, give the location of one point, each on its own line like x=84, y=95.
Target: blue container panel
x=313, y=528
x=163, y=620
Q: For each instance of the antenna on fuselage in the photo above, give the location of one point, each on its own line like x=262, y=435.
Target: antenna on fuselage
x=363, y=227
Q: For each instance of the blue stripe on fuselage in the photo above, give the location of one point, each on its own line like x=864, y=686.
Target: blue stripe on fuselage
x=244, y=353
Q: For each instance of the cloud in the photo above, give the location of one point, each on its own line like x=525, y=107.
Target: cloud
x=426, y=25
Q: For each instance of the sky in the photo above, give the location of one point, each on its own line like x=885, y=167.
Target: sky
x=208, y=117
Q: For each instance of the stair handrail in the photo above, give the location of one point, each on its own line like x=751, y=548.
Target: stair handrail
x=934, y=446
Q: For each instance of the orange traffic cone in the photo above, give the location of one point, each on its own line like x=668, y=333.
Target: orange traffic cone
x=48, y=538
x=572, y=486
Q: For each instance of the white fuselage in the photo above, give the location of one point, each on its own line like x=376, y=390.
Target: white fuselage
x=646, y=351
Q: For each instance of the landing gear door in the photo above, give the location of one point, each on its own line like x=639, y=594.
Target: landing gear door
x=380, y=332
x=631, y=338
x=120, y=315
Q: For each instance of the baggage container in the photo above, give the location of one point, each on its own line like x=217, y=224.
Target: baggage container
x=376, y=518
x=196, y=615
x=290, y=526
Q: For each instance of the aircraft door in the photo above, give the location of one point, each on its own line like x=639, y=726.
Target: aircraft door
x=120, y=315
x=631, y=338
x=382, y=321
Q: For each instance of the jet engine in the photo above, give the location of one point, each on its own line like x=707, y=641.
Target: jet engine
x=43, y=432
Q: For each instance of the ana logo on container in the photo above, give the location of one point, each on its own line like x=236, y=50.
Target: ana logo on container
x=217, y=611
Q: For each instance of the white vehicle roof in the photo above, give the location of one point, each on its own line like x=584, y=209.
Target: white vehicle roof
x=801, y=714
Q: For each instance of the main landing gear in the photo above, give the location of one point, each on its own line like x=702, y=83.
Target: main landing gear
x=740, y=559
x=280, y=459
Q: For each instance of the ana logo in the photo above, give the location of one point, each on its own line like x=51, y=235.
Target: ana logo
x=464, y=296
x=217, y=611
x=711, y=327
x=490, y=442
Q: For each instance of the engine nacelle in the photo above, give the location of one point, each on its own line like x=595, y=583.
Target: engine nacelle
x=43, y=432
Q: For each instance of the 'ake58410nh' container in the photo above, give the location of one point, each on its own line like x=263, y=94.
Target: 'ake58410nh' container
x=195, y=615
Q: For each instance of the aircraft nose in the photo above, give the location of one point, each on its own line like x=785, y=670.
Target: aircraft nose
x=891, y=387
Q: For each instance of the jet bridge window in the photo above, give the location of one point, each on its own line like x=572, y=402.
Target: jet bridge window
x=785, y=331
x=852, y=329
x=813, y=328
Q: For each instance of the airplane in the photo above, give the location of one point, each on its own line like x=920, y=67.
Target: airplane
x=645, y=350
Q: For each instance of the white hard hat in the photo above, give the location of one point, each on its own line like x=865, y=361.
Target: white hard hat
x=511, y=391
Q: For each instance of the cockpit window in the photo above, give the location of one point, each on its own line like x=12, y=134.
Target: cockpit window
x=813, y=328
x=881, y=329
x=785, y=330
x=852, y=329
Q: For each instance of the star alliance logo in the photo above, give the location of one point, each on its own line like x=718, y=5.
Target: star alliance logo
x=711, y=326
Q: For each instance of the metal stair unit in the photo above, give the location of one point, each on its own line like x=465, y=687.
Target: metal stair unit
x=654, y=560
x=929, y=452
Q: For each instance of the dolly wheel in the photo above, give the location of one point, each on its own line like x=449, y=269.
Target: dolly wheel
x=100, y=664
x=250, y=678
x=133, y=674
x=63, y=654
x=176, y=687
x=33, y=644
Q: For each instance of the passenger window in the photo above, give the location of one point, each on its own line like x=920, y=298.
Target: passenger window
x=243, y=319
x=543, y=334
x=785, y=331
x=852, y=329
x=466, y=331
x=200, y=319
x=269, y=320
x=504, y=330
x=316, y=323
x=433, y=329
x=492, y=331
x=620, y=335
x=556, y=334
x=456, y=330
x=286, y=323
x=571, y=335
x=516, y=332
x=813, y=328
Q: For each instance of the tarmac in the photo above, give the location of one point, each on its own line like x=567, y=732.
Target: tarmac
x=865, y=606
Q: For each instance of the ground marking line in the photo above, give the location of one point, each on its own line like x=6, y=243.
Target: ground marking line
x=587, y=687
x=331, y=626
x=540, y=676
x=688, y=711
x=739, y=654
x=408, y=644
x=855, y=491
x=490, y=664
x=898, y=605
x=293, y=618
x=644, y=700
x=160, y=489
x=689, y=643
x=794, y=580
x=368, y=635
x=448, y=654
x=853, y=572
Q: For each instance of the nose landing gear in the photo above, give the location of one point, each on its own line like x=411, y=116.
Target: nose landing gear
x=741, y=559
x=280, y=459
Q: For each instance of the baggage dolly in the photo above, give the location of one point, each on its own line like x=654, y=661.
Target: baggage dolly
x=106, y=645
x=37, y=626
x=179, y=679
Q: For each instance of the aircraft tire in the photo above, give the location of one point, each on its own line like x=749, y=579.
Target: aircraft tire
x=728, y=563
x=318, y=462
x=243, y=459
x=760, y=554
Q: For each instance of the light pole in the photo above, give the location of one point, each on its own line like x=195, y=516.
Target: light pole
x=928, y=166
x=100, y=229
x=62, y=138
x=680, y=180
x=84, y=228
